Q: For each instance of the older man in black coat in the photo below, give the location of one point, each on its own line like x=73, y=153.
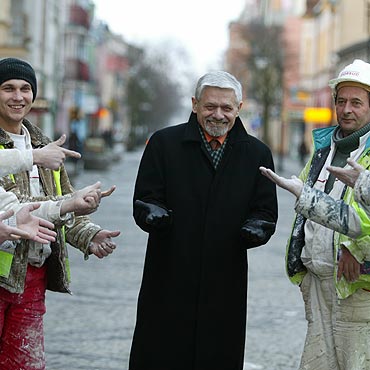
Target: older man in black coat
x=204, y=205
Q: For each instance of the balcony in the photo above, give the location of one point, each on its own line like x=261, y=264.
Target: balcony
x=116, y=63
x=78, y=16
x=77, y=70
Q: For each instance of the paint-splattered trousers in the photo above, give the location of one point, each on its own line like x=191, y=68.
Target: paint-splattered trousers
x=338, y=333
x=21, y=324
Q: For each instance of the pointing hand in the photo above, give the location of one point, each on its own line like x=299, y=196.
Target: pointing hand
x=53, y=155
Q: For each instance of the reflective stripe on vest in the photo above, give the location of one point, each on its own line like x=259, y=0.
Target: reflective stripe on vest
x=6, y=260
x=58, y=188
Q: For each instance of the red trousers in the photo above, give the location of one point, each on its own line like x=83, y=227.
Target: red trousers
x=21, y=324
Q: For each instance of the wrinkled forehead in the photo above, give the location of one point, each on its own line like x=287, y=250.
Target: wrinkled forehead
x=352, y=92
x=209, y=92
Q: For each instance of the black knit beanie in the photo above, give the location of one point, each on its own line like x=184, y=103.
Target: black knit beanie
x=17, y=69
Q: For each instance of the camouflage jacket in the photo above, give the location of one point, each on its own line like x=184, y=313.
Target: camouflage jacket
x=349, y=217
x=79, y=235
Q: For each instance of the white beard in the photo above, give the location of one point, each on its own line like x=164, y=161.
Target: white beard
x=216, y=129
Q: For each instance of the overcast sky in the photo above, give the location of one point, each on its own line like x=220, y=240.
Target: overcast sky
x=199, y=26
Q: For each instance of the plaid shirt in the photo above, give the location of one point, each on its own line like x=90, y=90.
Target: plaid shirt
x=217, y=154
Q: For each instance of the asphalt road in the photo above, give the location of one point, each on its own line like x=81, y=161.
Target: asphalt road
x=92, y=329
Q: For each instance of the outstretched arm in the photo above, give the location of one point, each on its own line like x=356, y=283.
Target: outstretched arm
x=27, y=226
x=15, y=161
x=81, y=202
x=53, y=155
x=39, y=229
x=334, y=214
x=86, y=200
x=294, y=185
x=318, y=206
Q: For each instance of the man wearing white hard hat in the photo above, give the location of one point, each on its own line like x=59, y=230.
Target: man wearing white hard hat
x=330, y=258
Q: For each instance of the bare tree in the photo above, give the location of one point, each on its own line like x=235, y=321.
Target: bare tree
x=154, y=91
x=265, y=64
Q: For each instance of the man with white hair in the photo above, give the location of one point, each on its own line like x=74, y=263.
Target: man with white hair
x=200, y=196
x=332, y=267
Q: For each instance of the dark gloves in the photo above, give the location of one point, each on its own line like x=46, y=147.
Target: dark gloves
x=150, y=216
x=257, y=232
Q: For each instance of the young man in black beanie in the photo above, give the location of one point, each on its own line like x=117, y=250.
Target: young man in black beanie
x=53, y=155
x=32, y=267
x=10, y=67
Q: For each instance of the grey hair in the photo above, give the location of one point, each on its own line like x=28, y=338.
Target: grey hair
x=221, y=79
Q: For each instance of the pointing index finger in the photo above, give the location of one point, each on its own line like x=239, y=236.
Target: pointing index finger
x=71, y=153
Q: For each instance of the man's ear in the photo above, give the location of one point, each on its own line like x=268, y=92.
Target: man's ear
x=240, y=106
x=194, y=103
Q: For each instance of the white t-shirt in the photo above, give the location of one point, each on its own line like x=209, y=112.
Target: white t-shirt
x=38, y=252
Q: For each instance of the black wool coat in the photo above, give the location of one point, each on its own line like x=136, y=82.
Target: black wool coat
x=192, y=303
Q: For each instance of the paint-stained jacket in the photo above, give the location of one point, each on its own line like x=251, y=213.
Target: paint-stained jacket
x=192, y=303
x=348, y=216
x=335, y=214
x=79, y=235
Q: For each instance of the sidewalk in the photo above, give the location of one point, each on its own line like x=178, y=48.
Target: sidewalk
x=92, y=329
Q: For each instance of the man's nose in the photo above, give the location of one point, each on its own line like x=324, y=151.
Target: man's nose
x=217, y=113
x=348, y=107
x=17, y=95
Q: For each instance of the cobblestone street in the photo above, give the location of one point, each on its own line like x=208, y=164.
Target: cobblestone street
x=92, y=329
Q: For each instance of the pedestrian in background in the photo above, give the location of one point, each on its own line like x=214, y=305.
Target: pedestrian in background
x=200, y=196
x=34, y=267
x=332, y=268
x=302, y=151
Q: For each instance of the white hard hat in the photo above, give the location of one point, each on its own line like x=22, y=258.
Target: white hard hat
x=357, y=72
